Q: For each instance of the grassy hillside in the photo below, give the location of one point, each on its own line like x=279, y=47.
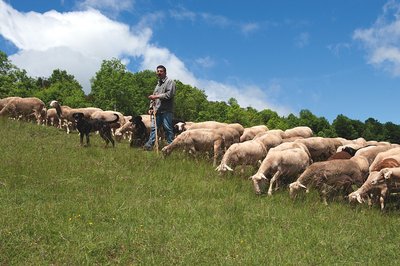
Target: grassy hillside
x=63, y=204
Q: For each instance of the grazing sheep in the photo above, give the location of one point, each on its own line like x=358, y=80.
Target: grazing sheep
x=330, y=177
x=250, y=132
x=249, y=152
x=320, y=148
x=378, y=191
x=243, y=153
x=24, y=107
x=52, y=118
x=5, y=101
x=288, y=163
x=303, y=131
x=197, y=140
x=124, y=131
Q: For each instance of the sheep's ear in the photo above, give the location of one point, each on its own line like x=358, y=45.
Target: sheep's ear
x=301, y=185
x=263, y=176
x=228, y=168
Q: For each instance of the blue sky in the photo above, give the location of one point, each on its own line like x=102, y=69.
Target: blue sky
x=330, y=57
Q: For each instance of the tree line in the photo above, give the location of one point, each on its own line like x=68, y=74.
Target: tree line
x=115, y=88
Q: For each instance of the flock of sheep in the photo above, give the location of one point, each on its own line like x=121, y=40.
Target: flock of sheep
x=360, y=170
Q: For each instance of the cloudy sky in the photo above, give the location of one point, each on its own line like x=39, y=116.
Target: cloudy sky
x=330, y=57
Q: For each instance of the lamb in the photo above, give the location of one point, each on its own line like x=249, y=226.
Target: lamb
x=288, y=163
x=250, y=132
x=24, y=107
x=331, y=177
x=302, y=131
x=196, y=140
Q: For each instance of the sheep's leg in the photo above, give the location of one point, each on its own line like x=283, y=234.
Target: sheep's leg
x=272, y=181
x=382, y=197
x=217, y=148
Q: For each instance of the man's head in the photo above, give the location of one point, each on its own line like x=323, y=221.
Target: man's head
x=161, y=71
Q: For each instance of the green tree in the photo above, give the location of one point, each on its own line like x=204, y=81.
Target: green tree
x=344, y=127
x=189, y=102
x=317, y=124
x=392, y=132
x=109, y=86
x=62, y=87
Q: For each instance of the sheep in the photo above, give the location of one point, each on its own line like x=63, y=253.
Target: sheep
x=390, y=153
x=206, y=124
x=52, y=118
x=279, y=162
x=302, y=131
x=371, y=152
x=331, y=177
x=369, y=190
x=206, y=140
x=65, y=112
x=5, y=101
x=250, y=132
x=248, y=153
x=125, y=130
x=341, y=155
x=320, y=148
x=109, y=115
x=25, y=107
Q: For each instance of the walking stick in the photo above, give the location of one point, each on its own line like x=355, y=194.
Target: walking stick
x=155, y=128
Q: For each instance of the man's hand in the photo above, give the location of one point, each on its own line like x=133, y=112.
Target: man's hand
x=153, y=97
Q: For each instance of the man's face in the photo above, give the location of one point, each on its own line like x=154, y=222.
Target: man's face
x=161, y=73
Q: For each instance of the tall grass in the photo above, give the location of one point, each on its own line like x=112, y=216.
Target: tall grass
x=64, y=204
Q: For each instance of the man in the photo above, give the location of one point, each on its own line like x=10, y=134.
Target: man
x=162, y=102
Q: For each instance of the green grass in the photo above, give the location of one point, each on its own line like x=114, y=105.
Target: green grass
x=64, y=204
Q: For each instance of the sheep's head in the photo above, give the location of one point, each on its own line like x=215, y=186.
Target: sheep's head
x=356, y=196
x=295, y=187
x=387, y=174
x=223, y=167
x=259, y=180
x=166, y=150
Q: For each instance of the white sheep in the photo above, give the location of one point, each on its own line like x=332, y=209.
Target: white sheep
x=320, y=148
x=301, y=131
x=197, y=140
x=250, y=132
x=288, y=161
x=24, y=107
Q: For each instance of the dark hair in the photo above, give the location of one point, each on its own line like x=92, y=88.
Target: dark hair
x=163, y=67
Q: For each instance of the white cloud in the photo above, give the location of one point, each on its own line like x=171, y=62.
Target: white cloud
x=112, y=6
x=206, y=62
x=79, y=41
x=302, y=39
x=382, y=39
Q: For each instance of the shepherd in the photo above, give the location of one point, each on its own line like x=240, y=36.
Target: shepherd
x=161, y=108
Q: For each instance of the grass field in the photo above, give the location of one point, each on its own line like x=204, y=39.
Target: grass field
x=64, y=204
